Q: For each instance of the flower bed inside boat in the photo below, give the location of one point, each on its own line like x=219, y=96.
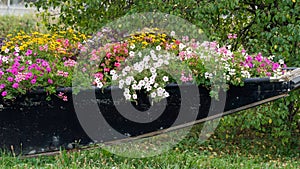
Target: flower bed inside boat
x=46, y=84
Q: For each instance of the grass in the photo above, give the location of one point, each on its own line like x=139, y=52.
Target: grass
x=10, y=24
x=241, y=151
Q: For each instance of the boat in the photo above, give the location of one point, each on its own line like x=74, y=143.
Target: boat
x=32, y=124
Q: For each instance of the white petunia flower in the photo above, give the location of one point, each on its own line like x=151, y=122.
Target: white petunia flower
x=153, y=94
x=126, y=90
x=148, y=88
x=172, y=33
x=128, y=81
x=166, y=94
x=208, y=75
x=154, y=57
x=152, y=70
x=281, y=61
x=99, y=85
x=158, y=48
x=134, y=96
x=181, y=46
x=17, y=49
x=127, y=96
x=131, y=53
x=112, y=72
x=165, y=78
x=132, y=46
x=142, y=83
x=152, y=52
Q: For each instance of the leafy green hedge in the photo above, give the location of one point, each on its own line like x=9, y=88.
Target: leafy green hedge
x=270, y=26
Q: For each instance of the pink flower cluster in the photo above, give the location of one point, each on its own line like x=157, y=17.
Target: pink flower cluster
x=63, y=96
x=62, y=73
x=231, y=36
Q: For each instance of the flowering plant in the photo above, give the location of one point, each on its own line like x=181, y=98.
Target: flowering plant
x=31, y=61
x=150, y=60
x=147, y=60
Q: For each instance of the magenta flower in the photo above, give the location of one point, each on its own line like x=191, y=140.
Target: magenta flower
x=14, y=71
x=4, y=93
x=2, y=86
x=259, y=57
x=29, y=52
x=33, y=81
x=48, y=69
x=106, y=69
x=15, y=85
x=50, y=81
x=275, y=66
x=267, y=61
x=22, y=68
x=10, y=79
x=250, y=65
x=45, y=63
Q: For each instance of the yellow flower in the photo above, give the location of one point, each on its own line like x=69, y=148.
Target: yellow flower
x=3, y=48
x=21, y=48
x=145, y=43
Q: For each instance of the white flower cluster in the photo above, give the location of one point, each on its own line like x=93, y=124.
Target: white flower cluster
x=98, y=82
x=129, y=80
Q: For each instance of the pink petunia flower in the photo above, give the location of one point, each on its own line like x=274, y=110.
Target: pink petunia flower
x=4, y=93
x=10, y=79
x=29, y=52
x=33, y=81
x=15, y=85
x=117, y=64
x=50, y=81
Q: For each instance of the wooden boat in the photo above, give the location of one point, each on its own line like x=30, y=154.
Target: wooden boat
x=31, y=124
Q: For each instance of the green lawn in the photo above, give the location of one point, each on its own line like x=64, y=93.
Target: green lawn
x=241, y=151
